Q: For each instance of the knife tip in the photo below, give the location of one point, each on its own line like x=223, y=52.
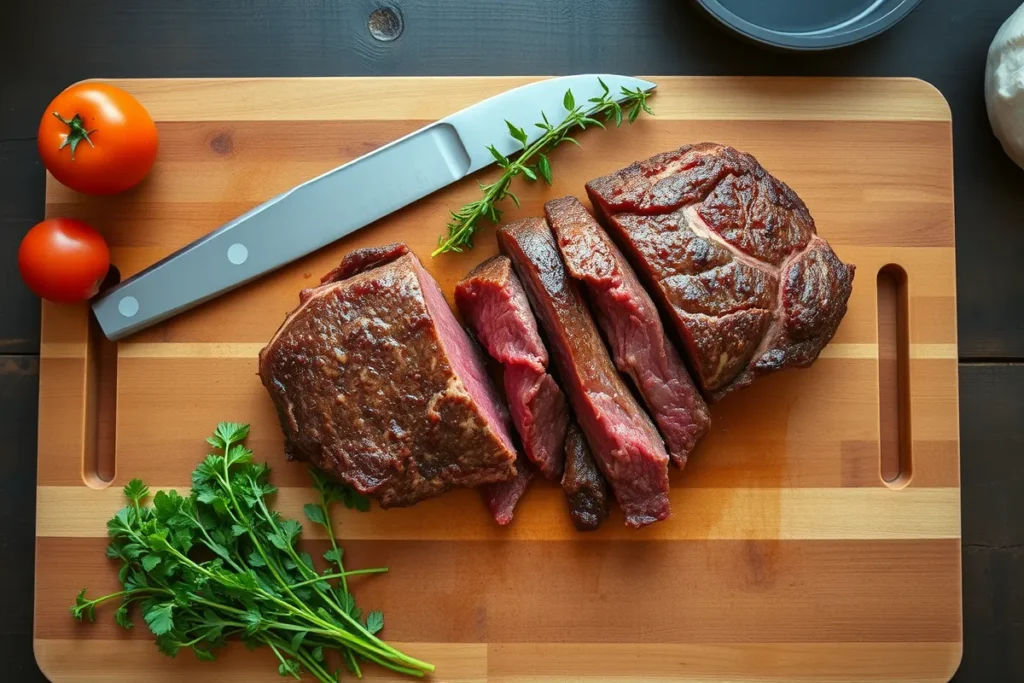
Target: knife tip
x=646, y=85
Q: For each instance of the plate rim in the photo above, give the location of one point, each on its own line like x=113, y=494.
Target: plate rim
x=778, y=39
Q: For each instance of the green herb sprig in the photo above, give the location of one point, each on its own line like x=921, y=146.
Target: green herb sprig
x=466, y=221
x=220, y=563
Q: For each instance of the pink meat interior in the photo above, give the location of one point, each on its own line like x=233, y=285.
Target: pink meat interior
x=465, y=357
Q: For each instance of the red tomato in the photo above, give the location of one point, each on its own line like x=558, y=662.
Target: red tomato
x=63, y=260
x=98, y=139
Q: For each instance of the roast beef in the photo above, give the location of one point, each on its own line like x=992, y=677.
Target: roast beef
x=376, y=384
x=732, y=256
x=631, y=327
x=624, y=442
x=585, y=488
x=493, y=303
x=503, y=496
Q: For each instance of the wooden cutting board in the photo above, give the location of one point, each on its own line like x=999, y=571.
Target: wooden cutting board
x=789, y=556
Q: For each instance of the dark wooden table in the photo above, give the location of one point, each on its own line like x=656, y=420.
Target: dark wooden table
x=45, y=46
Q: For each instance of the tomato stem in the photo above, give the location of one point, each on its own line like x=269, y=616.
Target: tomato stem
x=76, y=132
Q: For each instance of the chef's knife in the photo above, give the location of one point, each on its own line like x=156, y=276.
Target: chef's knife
x=326, y=208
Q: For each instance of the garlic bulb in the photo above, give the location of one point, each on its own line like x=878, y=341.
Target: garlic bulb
x=1004, y=86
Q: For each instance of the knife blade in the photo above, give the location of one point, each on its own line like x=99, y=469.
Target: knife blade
x=330, y=206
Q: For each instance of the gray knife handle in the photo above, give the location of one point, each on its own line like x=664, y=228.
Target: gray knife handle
x=239, y=251
x=285, y=228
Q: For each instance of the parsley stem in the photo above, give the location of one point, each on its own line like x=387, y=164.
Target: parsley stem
x=104, y=598
x=397, y=667
x=325, y=577
x=352, y=662
x=337, y=633
x=304, y=612
x=217, y=605
x=226, y=483
x=211, y=544
x=270, y=642
x=365, y=649
x=308, y=661
x=290, y=549
x=128, y=595
x=314, y=667
x=334, y=544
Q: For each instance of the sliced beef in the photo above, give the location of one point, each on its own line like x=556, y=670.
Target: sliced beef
x=503, y=496
x=376, y=384
x=732, y=256
x=621, y=436
x=631, y=326
x=585, y=488
x=494, y=304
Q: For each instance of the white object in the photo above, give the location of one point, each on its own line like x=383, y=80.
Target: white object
x=1004, y=86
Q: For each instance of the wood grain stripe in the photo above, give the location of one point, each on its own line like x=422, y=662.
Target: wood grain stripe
x=783, y=99
x=541, y=662
x=711, y=514
x=791, y=429
x=204, y=144
x=723, y=662
x=190, y=350
x=87, y=660
x=63, y=350
x=843, y=171
x=597, y=591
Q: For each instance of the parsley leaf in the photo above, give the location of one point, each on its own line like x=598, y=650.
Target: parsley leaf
x=314, y=513
x=135, y=490
x=149, y=562
x=374, y=621
x=252, y=621
x=238, y=455
x=288, y=667
x=121, y=616
x=232, y=432
x=168, y=645
x=298, y=638
x=203, y=654
x=160, y=618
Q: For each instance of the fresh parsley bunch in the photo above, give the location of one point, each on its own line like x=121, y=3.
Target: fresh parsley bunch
x=465, y=222
x=220, y=563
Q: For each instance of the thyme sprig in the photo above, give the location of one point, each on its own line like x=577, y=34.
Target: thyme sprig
x=533, y=162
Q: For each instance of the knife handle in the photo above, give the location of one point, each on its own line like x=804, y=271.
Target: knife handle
x=285, y=228
x=237, y=252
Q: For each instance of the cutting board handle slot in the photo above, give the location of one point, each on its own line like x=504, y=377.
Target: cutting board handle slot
x=894, y=441
x=98, y=467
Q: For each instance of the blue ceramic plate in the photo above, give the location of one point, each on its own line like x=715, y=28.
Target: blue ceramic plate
x=809, y=24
